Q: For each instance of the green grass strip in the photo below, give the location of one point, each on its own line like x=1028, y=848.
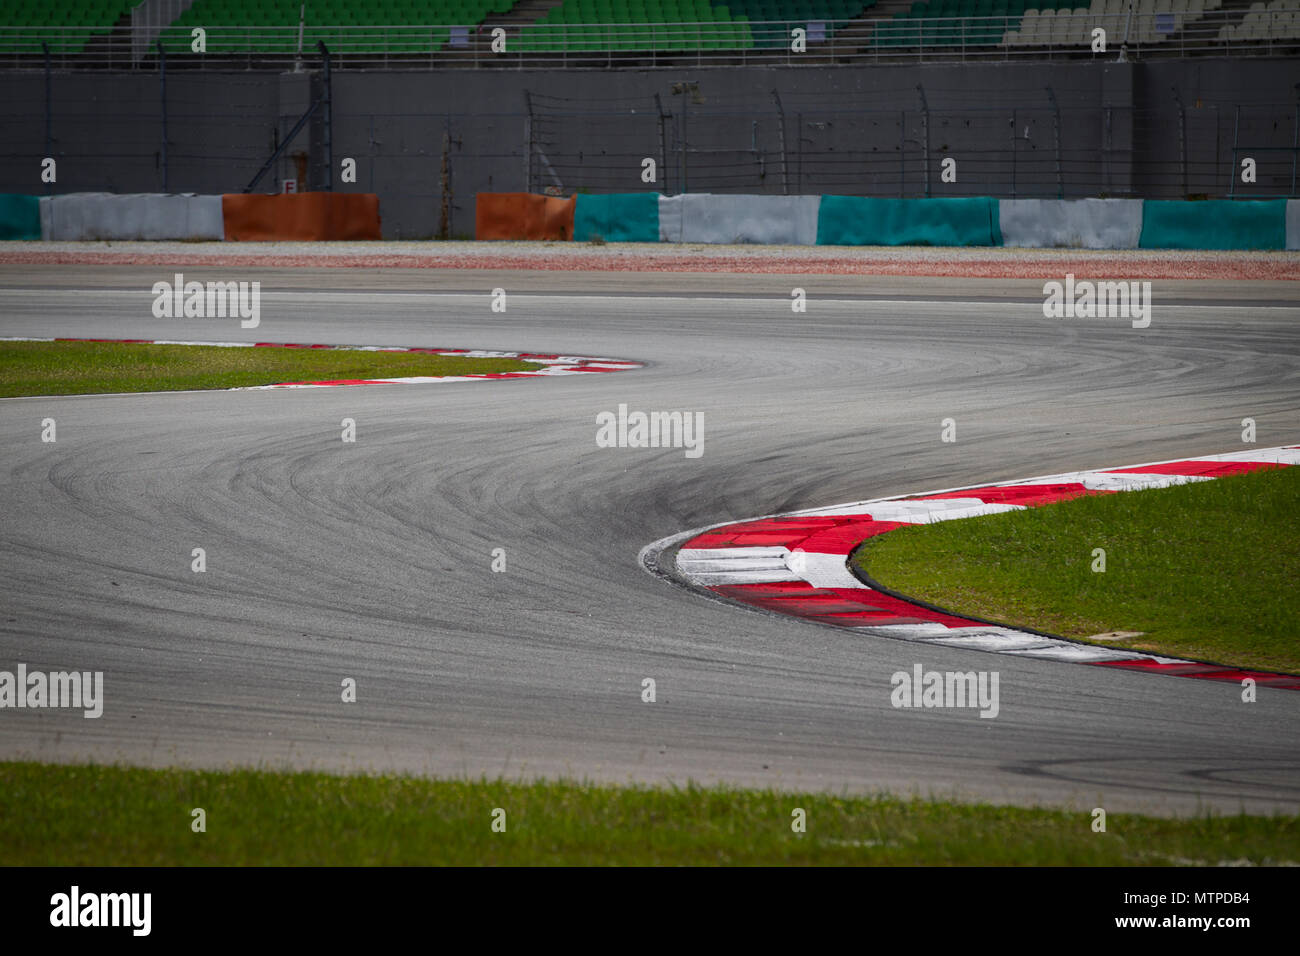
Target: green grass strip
x=90, y=368
x=1204, y=570
x=84, y=815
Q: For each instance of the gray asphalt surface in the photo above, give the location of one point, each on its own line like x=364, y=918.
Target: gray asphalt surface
x=372, y=560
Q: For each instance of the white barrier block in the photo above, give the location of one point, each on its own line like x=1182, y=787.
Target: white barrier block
x=46, y=206
x=91, y=216
x=670, y=218
x=765, y=220
x=1293, y=224
x=1070, y=223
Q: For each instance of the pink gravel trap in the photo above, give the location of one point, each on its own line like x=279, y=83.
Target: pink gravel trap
x=976, y=263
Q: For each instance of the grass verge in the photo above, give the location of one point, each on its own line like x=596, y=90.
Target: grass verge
x=84, y=368
x=1204, y=570
x=97, y=815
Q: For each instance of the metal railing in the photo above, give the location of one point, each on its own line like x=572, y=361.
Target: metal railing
x=652, y=45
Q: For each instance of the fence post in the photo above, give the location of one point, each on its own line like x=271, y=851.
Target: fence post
x=682, y=145
x=528, y=142
x=785, y=155
x=925, y=140
x=663, y=140
x=444, y=223
x=327, y=133
x=1182, y=139
x=1236, y=130
x=1295, y=146
x=1056, y=141
x=902, y=151
x=162, y=93
x=49, y=117
x=798, y=154
x=1107, y=174
x=1014, y=126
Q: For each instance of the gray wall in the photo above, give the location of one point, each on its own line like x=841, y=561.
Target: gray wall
x=847, y=129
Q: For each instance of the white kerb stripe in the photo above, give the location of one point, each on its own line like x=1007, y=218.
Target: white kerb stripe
x=822, y=570
x=915, y=512
x=715, y=566
x=1066, y=651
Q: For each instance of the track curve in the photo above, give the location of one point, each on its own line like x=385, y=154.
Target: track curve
x=373, y=560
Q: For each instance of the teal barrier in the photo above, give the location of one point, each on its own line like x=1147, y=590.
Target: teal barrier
x=860, y=221
x=617, y=217
x=20, y=217
x=1213, y=224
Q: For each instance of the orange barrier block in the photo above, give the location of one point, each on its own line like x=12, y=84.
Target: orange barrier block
x=304, y=216
x=522, y=216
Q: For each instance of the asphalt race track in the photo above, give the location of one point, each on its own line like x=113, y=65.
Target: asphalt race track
x=372, y=560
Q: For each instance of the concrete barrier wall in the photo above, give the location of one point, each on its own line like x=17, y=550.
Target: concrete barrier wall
x=1214, y=224
x=617, y=217
x=20, y=217
x=703, y=218
x=522, y=216
x=858, y=221
x=1071, y=223
x=83, y=216
x=304, y=217
x=779, y=220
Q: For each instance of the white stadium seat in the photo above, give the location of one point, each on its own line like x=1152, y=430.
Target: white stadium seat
x=1029, y=28
x=1062, y=28
x=1080, y=26
x=1046, y=24
x=1113, y=24
x=1043, y=27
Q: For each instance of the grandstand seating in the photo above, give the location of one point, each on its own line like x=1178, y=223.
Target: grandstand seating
x=86, y=18
x=324, y=14
x=584, y=26
x=1026, y=23
x=1039, y=28
x=945, y=28
x=1279, y=20
x=724, y=25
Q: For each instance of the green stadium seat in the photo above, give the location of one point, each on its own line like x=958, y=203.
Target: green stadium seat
x=705, y=25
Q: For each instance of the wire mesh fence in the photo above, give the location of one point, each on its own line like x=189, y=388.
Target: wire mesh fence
x=791, y=145
x=1062, y=35
x=427, y=156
